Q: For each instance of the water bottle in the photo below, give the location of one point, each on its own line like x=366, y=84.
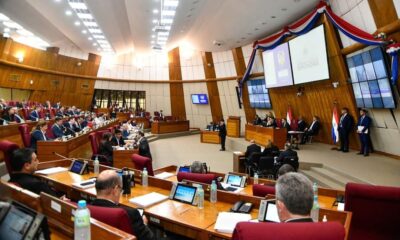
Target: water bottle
x=315, y=210
x=200, y=197
x=96, y=166
x=213, y=192
x=255, y=179
x=315, y=189
x=82, y=222
x=145, y=178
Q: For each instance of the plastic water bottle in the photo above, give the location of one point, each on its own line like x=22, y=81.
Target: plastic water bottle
x=82, y=222
x=200, y=197
x=324, y=219
x=213, y=192
x=255, y=178
x=315, y=208
x=96, y=165
x=145, y=178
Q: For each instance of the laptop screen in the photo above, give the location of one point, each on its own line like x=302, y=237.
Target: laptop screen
x=77, y=167
x=16, y=223
x=184, y=169
x=272, y=213
x=234, y=180
x=185, y=193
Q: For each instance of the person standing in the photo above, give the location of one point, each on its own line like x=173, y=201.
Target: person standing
x=222, y=134
x=344, y=129
x=363, y=131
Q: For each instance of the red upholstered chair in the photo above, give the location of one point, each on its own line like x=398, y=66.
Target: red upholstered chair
x=263, y=190
x=196, y=177
x=53, y=112
x=25, y=113
x=156, y=118
x=156, y=114
x=278, y=122
x=99, y=135
x=376, y=211
x=116, y=217
x=25, y=135
x=294, y=124
x=142, y=162
x=49, y=132
x=8, y=148
x=289, y=231
x=95, y=150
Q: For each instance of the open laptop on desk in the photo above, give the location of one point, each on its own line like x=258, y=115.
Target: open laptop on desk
x=233, y=182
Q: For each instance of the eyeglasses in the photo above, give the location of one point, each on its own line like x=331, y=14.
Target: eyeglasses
x=120, y=187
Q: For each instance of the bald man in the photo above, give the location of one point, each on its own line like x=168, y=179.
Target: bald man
x=109, y=189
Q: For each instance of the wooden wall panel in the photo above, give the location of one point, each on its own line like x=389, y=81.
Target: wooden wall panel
x=48, y=86
x=178, y=109
x=383, y=12
x=212, y=87
x=240, y=66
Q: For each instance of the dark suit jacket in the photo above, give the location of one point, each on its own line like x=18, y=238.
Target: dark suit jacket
x=141, y=231
x=272, y=151
x=60, y=114
x=32, y=183
x=34, y=116
x=222, y=130
x=18, y=118
x=366, y=122
x=144, y=148
x=300, y=220
x=252, y=149
x=315, y=128
x=58, y=131
x=287, y=126
x=70, y=130
x=37, y=135
x=119, y=142
x=9, y=118
x=106, y=149
x=286, y=153
x=346, y=125
x=301, y=126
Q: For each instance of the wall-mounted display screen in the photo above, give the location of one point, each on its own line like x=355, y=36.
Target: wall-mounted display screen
x=199, y=99
x=309, y=56
x=277, y=67
x=258, y=94
x=370, y=79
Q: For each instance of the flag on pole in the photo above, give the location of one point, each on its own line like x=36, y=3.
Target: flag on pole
x=289, y=116
x=335, y=122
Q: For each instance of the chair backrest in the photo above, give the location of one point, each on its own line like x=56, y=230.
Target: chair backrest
x=206, y=178
x=293, y=161
x=157, y=114
x=8, y=148
x=25, y=113
x=94, y=144
x=116, y=217
x=49, y=131
x=266, y=163
x=289, y=231
x=156, y=118
x=142, y=162
x=255, y=157
x=25, y=135
x=99, y=135
x=263, y=190
x=278, y=122
x=376, y=211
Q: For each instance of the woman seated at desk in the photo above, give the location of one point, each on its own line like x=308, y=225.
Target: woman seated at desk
x=271, y=150
x=270, y=122
x=39, y=134
x=105, y=147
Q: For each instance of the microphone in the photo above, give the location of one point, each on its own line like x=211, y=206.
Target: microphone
x=61, y=156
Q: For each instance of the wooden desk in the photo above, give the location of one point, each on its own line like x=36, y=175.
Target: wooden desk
x=238, y=162
x=261, y=135
x=69, y=148
x=159, y=127
x=126, y=116
x=210, y=137
x=233, y=126
x=122, y=158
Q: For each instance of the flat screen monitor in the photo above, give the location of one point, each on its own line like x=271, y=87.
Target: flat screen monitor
x=185, y=193
x=199, y=99
x=271, y=215
x=277, y=67
x=309, y=56
x=184, y=169
x=234, y=180
x=258, y=94
x=370, y=80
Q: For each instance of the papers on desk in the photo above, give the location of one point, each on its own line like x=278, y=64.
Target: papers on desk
x=164, y=175
x=52, y=170
x=226, y=221
x=148, y=199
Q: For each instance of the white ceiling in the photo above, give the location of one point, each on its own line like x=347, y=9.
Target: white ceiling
x=127, y=24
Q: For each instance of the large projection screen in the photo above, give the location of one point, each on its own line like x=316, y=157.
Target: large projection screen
x=309, y=56
x=277, y=67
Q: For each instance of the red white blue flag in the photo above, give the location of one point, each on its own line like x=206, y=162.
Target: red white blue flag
x=335, y=124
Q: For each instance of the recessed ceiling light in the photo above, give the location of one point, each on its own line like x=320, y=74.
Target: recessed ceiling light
x=98, y=49
x=6, y=35
x=153, y=36
x=90, y=38
x=3, y=17
x=68, y=12
x=94, y=44
x=77, y=23
x=152, y=42
x=6, y=30
x=84, y=31
x=155, y=11
x=155, y=20
x=57, y=0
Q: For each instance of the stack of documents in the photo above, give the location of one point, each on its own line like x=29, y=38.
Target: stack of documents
x=52, y=170
x=148, y=199
x=164, y=175
x=226, y=221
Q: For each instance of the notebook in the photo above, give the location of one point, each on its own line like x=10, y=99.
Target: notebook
x=226, y=221
x=52, y=170
x=148, y=199
x=164, y=175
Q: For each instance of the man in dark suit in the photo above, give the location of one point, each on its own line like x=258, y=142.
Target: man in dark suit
x=70, y=126
x=222, y=134
x=312, y=130
x=301, y=124
x=39, y=134
x=24, y=163
x=109, y=188
x=60, y=112
x=345, y=126
x=252, y=148
x=34, y=116
x=294, y=197
x=117, y=139
x=257, y=120
x=57, y=105
x=288, y=152
x=57, y=128
x=363, y=131
x=144, y=147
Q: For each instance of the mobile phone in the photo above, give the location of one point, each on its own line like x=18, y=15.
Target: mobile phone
x=141, y=211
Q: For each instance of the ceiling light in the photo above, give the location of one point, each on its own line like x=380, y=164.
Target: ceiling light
x=95, y=30
x=6, y=30
x=84, y=31
x=167, y=21
x=85, y=15
x=68, y=12
x=6, y=35
x=98, y=36
x=94, y=44
x=171, y=3
x=155, y=11
x=162, y=38
x=155, y=20
x=24, y=32
x=12, y=25
x=168, y=13
x=77, y=23
x=90, y=38
x=103, y=41
x=77, y=5
x=163, y=33
x=3, y=17
x=152, y=42
x=57, y=0
x=153, y=36
x=98, y=49
x=90, y=24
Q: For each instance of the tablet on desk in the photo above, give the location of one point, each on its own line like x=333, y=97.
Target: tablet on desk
x=185, y=193
x=268, y=211
x=183, y=169
x=78, y=166
x=235, y=180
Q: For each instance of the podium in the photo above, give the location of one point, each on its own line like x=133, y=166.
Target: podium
x=233, y=127
x=262, y=134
